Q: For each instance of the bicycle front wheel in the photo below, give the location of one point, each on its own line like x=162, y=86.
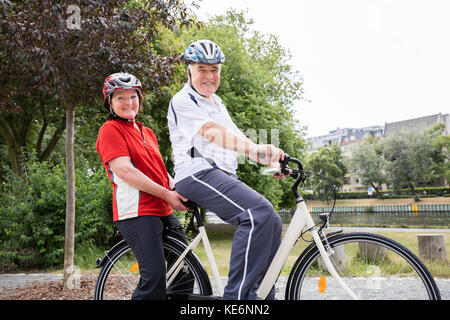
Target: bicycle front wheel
x=372, y=266
x=120, y=273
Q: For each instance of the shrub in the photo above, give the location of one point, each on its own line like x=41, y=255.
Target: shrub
x=32, y=214
x=402, y=193
x=32, y=217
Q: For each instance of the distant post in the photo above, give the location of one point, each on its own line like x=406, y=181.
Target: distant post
x=432, y=247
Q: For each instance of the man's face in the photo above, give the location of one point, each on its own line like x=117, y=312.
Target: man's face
x=205, y=78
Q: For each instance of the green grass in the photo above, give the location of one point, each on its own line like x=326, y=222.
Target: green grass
x=86, y=258
x=221, y=240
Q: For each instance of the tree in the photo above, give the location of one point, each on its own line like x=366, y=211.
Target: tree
x=410, y=163
x=60, y=53
x=328, y=162
x=33, y=131
x=441, y=154
x=366, y=161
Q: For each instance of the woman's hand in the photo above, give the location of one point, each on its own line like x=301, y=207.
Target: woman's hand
x=171, y=184
x=123, y=167
x=271, y=156
x=173, y=198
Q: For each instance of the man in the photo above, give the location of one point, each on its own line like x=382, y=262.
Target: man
x=205, y=143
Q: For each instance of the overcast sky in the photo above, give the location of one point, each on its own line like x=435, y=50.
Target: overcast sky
x=364, y=62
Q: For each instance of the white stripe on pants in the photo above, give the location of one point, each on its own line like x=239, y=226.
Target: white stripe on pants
x=258, y=233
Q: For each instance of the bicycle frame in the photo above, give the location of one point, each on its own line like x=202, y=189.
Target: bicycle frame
x=176, y=267
x=301, y=220
x=301, y=223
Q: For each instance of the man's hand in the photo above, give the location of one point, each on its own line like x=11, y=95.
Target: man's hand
x=268, y=155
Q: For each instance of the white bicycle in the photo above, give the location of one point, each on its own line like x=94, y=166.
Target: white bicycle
x=336, y=265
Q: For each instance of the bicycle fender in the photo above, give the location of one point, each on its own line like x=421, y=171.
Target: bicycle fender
x=305, y=252
x=101, y=262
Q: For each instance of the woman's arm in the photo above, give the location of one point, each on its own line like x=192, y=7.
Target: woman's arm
x=123, y=168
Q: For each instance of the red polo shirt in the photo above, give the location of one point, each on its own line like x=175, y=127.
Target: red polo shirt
x=118, y=138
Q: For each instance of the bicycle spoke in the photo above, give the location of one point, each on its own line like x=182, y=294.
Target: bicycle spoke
x=375, y=268
x=123, y=275
x=117, y=282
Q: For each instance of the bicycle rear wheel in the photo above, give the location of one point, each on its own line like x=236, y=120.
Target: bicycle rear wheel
x=372, y=266
x=120, y=273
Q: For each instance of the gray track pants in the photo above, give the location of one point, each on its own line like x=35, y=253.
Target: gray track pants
x=258, y=233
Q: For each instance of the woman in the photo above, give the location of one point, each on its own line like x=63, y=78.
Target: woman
x=142, y=196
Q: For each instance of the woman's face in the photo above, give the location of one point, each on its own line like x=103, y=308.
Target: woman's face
x=125, y=103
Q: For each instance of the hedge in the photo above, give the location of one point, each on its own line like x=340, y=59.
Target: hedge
x=402, y=193
x=32, y=214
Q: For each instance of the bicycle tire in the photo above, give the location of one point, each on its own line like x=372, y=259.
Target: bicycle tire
x=121, y=283
x=367, y=275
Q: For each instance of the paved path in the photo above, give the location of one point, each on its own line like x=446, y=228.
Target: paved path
x=405, y=284
x=21, y=279
x=12, y=280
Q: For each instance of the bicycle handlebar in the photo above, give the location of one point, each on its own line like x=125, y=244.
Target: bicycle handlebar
x=286, y=170
x=300, y=176
x=297, y=174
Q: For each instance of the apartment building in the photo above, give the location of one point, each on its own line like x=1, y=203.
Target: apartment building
x=345, y=137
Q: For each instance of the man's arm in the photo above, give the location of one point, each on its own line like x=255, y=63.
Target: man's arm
x=263, y=153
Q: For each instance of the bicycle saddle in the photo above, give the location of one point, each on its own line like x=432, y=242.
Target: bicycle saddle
x=190, y=204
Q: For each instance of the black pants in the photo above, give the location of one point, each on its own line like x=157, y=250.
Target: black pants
x=144, y=235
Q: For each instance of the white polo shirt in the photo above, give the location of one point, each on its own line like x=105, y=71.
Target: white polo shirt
x=188, y=112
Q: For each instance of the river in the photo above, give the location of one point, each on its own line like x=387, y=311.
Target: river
x=429, y=219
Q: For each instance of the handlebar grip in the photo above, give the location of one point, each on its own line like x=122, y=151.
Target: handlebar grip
x=283, y=164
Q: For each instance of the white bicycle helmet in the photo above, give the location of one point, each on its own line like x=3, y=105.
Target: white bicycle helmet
x=203, y=51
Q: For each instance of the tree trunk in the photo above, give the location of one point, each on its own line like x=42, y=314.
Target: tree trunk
x=69, y=248
x=413, y=192
x=53, y=142
x=12, y=148
x=377, y=191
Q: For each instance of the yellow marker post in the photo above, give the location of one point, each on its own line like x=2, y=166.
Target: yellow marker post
x=415, y=210
x=134, y=268
x=322, y=284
